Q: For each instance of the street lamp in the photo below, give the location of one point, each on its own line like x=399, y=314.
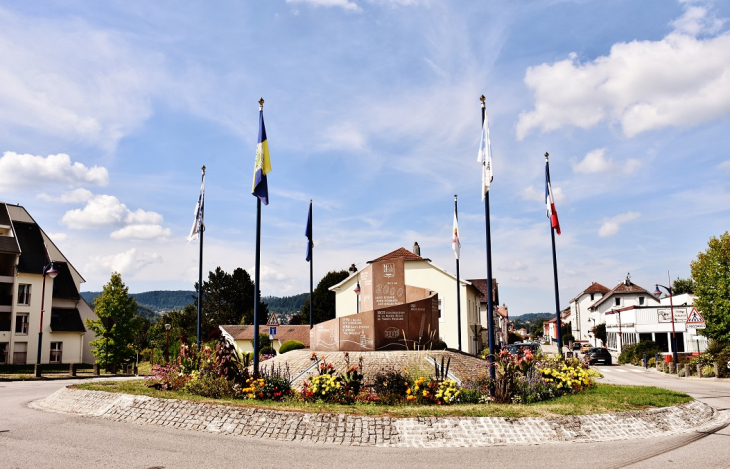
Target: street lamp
x=167, y=342
x=51, y=271
x=357, y=296
x=595, y=336
x=657, y=293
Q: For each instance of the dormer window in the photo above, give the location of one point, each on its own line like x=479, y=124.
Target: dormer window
x=641, y=300
x=592, y=295
x=618, y=302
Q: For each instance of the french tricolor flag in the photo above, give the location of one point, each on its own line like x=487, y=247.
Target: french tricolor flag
x=552, y=214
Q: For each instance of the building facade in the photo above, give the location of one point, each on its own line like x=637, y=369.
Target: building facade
x=420, y=272
x=26, y=295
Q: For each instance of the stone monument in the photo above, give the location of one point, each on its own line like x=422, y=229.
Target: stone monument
x=393, y=315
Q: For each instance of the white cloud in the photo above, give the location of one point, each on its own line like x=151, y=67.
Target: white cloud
x=724, y=165
x=268, y=273
x=128, y=262
x=696, y=21
x=680, y=80
x=73, y=81
x=107, y=210
x=73, y=197
x=57, y=237
x=530, y=193
x=595, y=161
x=142, y=232
x=612, y=225
x=344, y=4
x=516, y=266
x=36, y=172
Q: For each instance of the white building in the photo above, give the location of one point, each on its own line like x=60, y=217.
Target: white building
x=581, y=321
x=25, y=253
x=420, y=272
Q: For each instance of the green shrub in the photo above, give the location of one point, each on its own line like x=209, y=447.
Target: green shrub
x=634, y=353
x=652, y=362
x=390, y=386
x=440, y=345
x=681, y=372
x=290, y=345
x=708, y=371
x=268, y=350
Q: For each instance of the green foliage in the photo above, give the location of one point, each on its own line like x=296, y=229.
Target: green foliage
x=112, y=347
x=390, y=386
x=601, y=332
x=291, y=345
x=513, y=337
x=228, y=299
x=154, y=301
x=183, y=329
x=683, y=285
x=285, y=304
x=711, y=273
x=264, y=340
x=634, y=353
x=324, y=300
x=268, y=350
x=439, y=345
x=708, y=371
x=567, y=338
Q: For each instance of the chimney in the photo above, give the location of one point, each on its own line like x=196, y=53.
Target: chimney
x=416, y=249
x=352, y=269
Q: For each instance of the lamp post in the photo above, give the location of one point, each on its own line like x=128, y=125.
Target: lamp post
x=658, y=292
x=51, y=271
x=595, y=342
x=152, y=354
x=357, y=297
x=167, y=342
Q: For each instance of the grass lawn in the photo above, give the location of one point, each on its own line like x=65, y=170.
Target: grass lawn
x=604, y=398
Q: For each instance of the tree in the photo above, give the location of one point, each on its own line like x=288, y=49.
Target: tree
x=228, y=299
x=683, y=285
x=114, y=346
x=324, y=299
x=711, y=274
x=601, y=332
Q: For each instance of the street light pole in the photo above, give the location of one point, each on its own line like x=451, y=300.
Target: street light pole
x=167, y=342
x=357, y=297
x=658, y=292
x=51, y=271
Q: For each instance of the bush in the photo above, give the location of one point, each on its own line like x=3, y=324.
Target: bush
x=209, y=385
x=290, y=345
x=708, y=371
x=390, y=386
x=634, y=353
x=267, y=351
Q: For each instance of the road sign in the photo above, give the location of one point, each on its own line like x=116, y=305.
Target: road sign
x=272, y=330
x=695, y=320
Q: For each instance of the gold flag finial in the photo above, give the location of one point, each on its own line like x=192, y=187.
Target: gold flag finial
x=261, y=104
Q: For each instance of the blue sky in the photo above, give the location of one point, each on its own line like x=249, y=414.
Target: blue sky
x=109, y=109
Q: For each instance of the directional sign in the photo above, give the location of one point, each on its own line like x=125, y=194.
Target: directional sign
x=272, y=330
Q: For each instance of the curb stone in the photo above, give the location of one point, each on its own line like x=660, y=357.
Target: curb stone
x=338, y=429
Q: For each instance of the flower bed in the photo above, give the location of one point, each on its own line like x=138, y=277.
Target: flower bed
x=519, y=378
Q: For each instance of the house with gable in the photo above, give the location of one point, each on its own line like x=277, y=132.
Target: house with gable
x=420, y=272
x=34, y=297
x=580, y=317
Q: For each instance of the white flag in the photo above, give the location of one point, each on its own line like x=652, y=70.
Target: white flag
x=198, y=222
x=455, y=242
x=485, y=157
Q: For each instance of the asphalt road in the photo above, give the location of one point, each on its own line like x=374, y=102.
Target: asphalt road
x=32, y=438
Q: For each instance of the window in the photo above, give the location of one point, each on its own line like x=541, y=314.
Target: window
x=440, y=317
x=592, y=295
x=5, y=321
x=3, y=353
x=21, y=324
x=618, y=302
x=23, y=294
x=20, y=355
x=56, y=351
x=641, y=300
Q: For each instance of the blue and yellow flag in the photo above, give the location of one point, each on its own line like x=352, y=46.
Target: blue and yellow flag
x=262, y=167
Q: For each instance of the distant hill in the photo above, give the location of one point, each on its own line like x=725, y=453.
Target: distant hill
x=157, y=301
x=285, y=304
x=533, y=317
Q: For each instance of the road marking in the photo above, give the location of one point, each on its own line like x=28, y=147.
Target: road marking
x=638, y=371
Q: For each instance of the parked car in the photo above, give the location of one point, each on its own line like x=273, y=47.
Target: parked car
x=599, y=354
x=515, y=349
x=576, y=346
x=585, y=347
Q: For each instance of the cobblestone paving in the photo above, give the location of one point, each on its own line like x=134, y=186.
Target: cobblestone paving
x=380, y=431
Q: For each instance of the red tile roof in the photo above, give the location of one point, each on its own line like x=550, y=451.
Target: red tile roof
x=283, y=333
x=623, y=287
x=481, y=285
x=595, y=287
x=397, y=254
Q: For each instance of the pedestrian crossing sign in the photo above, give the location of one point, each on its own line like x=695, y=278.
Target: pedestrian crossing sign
x=695, y=320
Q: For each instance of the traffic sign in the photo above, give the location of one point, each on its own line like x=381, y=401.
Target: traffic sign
x=272, y=330
x=695, y=319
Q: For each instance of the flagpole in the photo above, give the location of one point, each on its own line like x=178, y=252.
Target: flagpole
x=311, y=269
x=200, y=267
x=490, y=300
x=458, y=284
x=257, y=271
x=555, y=274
